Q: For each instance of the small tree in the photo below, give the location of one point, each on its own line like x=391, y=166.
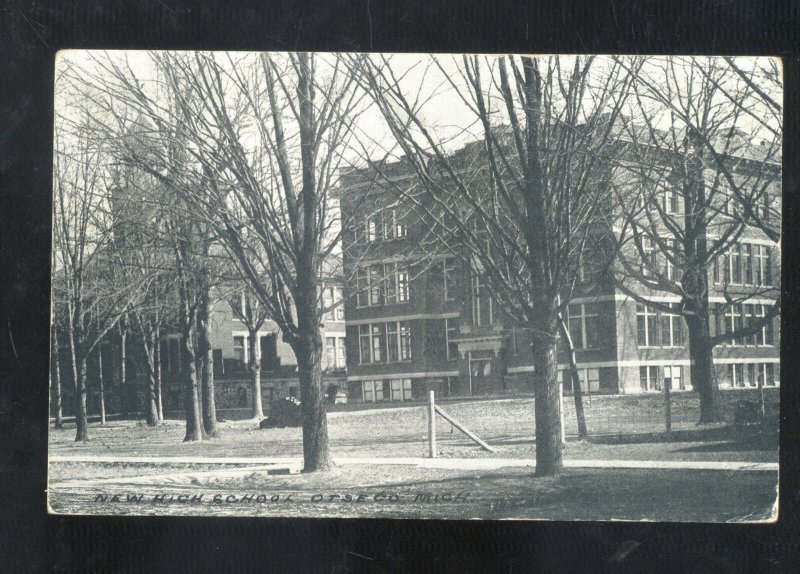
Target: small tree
x=250, y=312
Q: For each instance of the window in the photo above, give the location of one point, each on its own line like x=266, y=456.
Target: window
x=330, y=351
x=451, y=334
x=646, y=325
x=747, y=263
x=761, y=266
x=575, y=325
x=402, y=286
x=733, y=322
x=649, y=259
x=362, y=288
x=384, y=341
x=405, y=341
x=341, y=353
x=400, y=389
x=372, y=228
x=765, y=215
x=364, y=344
x=672, y=256
x=333, y=296
x=381, y=284
x=376, y=285
x=382, y=225
x=771, y=379
x=392, y=227
x=481, y=302
x=388, y=229
x=450, y=279
x=373, y=391
x=393, y=342
x=239, y=352
x=648, y=379
x=731, y=206
x=584, y=326
x=377, y=332
x=480, y=368
x=742, y=375
x=736, y=265
x=335, y=352
x=736, y=373
x=672, y=328
x=671, y=202
x=749, y=319
x=590, y=380
x=396, y=283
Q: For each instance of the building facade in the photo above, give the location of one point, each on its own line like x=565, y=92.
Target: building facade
x=416, y=322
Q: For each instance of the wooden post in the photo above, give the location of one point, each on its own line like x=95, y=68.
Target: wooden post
x=668, y=404
x=431, y=425
x=463, y=429
x=561, y=410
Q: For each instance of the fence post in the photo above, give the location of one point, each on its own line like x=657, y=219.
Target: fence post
x=561, y=410
x=431, y=425
x=668, y=405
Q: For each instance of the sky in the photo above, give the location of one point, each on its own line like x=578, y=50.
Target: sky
x=444, y=112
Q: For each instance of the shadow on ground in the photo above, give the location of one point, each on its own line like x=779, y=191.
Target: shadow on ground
x=749, y=437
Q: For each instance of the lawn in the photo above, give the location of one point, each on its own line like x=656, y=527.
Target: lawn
x=506, y=424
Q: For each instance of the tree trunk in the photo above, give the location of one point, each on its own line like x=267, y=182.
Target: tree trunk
x=81, y=418
x=577, y=392
x=194, y=420
x=101, y=384
x=701, y=361
x=316, y=455
x=55, y=364
x=151, y=404
x=123, y=359
x=255, y=374
x=546, y=401
x=78, y=360
x=207, y=360
x=157, y=361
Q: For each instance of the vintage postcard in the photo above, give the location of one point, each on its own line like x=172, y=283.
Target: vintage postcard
x=416, y=286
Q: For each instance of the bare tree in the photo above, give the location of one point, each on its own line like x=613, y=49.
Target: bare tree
x=82, y=227
x=524, y=198
x=250, y=312
x=262, y=138
x=699, y=185
x=55, y=369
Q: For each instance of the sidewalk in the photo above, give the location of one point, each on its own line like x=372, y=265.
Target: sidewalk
x=294, y=464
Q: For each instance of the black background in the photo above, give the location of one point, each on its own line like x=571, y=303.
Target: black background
x=32, y=541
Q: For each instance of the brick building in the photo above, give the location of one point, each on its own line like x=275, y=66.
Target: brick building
x=420, y=320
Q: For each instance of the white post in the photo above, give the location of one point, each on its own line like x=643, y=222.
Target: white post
x=431, y=425
x=469, y=370
x=561, y=410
